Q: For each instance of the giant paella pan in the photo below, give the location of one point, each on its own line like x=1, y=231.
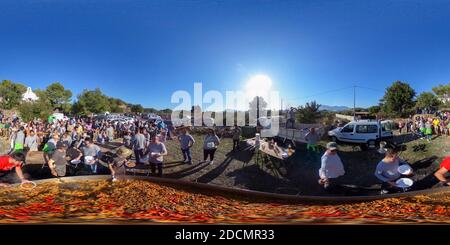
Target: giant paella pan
x=153, y=200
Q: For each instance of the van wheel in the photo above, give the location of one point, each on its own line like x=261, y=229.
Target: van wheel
x=334, y=139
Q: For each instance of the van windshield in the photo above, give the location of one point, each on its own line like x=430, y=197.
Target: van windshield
x=348, y=129
x=387, y=126
x=367, y=129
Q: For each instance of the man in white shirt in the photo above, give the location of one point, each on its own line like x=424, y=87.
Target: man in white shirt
x=331, y=167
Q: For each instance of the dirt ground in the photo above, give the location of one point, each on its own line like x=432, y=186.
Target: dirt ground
x=298, y=174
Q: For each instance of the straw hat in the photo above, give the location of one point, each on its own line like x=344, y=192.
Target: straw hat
x=118, y=155
x=123, y=152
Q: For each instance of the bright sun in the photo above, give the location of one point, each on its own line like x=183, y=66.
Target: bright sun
x=258, y=85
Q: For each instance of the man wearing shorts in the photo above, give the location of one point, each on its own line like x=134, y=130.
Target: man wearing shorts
x=58, y=161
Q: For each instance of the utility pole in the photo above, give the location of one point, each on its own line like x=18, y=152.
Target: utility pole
x=257, y=110
x=281, y=107
x=354, y=102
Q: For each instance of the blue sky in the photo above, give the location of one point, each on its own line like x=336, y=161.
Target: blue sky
x=143, y=51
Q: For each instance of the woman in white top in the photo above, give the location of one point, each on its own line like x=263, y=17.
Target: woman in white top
x=210, y=145
x=31, y=141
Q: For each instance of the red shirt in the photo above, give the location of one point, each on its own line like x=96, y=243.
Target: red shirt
x=5, y=164
x=446, y=163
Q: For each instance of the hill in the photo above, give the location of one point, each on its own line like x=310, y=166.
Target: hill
x=333, y=108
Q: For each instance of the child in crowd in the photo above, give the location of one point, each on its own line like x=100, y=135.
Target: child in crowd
x=428, y=131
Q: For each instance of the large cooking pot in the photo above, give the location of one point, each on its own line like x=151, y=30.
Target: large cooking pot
x=262, y=196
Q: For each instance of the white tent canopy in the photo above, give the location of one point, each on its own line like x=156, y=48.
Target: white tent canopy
x=29, y=95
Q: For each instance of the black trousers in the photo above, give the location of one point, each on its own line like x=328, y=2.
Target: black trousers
x=210, y=153
x=330, y=185
x=333, y=185
x=427, y=182
x=139, y=154
x=9, y=176
x=235, y=144
x=290, y=122
x=153, y=166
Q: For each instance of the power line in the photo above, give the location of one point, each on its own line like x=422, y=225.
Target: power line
x=332, y=91
x=318, y=94
x=337, y=90
x=378, y=90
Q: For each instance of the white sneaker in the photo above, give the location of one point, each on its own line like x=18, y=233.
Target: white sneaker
x=211, y=162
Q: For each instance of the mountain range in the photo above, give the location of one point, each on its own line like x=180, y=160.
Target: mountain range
x=333, y=108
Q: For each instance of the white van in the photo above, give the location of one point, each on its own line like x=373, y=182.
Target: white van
x=59, y=116
x=362, y=132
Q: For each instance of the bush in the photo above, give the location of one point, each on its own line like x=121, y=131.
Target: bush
x=30, y=110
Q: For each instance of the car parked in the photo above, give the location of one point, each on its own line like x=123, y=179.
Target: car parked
x=364, y=132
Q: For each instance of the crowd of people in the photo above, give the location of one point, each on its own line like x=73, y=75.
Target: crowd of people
x=61, y=141
x=76, y=142
x=427, y=126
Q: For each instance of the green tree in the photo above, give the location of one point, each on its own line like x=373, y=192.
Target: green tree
x=41, y=108
x=58, y=96
x=67, y=108
x=150, y=110
x=398, y=100
x=428, y=100
x=11, y=94
x=258, y=103
x=374, y=110
x=350, y=112
x=91, y=101
x=166, y=111
x=138, y=108
x=443, y=93
x=117, y=105
x=442, y=90
x=309, y=113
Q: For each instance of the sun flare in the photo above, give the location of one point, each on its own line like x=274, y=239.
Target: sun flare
x=258, y=85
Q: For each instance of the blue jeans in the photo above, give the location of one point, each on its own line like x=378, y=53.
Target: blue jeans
x=187, y=154
x=93, y=167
